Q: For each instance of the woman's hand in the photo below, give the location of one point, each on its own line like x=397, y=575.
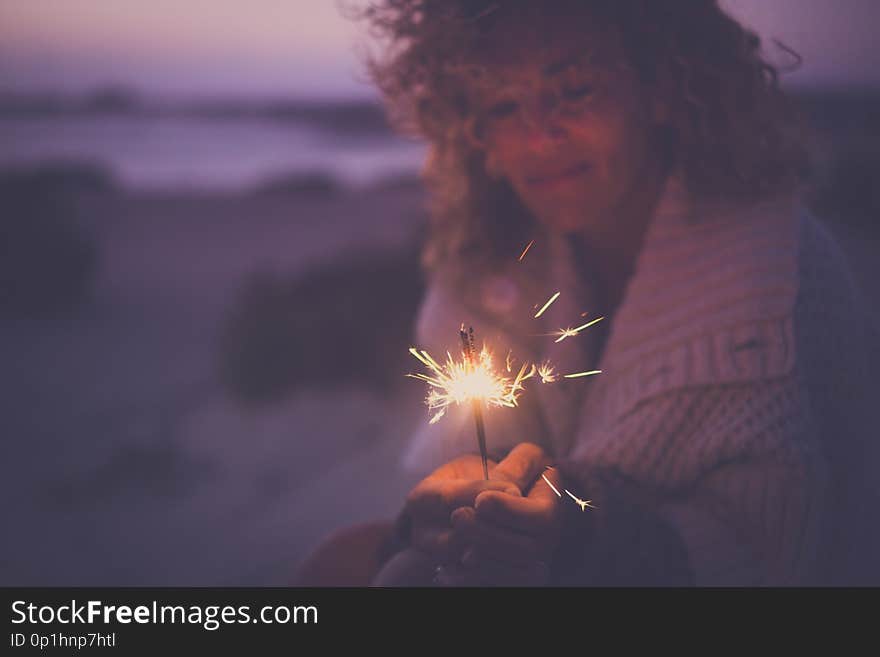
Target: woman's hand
x=430, y=504
x=508, y=540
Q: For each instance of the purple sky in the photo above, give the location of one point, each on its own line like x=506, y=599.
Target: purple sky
x=306, y=48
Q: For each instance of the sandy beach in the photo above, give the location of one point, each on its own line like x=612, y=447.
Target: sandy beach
x=133, y=462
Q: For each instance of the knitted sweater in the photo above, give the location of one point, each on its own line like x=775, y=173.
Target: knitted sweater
x=733, y=405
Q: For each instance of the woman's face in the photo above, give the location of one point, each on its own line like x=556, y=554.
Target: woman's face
x=567, y=123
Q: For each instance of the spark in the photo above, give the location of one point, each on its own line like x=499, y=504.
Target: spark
x=525, y=250
x=572, y=332
x=580, y=374
x=545, y=371
x=581, y=503
x=547, y=305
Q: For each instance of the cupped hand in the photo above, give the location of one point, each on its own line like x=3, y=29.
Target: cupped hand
x=430, y=504
x=504, y=539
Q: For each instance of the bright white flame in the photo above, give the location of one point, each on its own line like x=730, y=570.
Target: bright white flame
x=458, y=382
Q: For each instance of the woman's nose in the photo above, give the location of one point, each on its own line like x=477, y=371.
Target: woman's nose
x=541, y=119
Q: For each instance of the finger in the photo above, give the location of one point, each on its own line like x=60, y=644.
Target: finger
x=502, y=544
x=521, y=465
x=441, y=544
x=533, y=515
x=478, y=567
x=434, y=499
x=455, y=575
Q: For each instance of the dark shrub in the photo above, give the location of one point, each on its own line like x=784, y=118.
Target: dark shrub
x=341, y=324
x=48, y=260
x=315, y=183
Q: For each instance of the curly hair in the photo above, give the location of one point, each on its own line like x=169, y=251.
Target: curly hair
x=734, y=133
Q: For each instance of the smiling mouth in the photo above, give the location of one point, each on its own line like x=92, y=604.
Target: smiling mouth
x=560, y=176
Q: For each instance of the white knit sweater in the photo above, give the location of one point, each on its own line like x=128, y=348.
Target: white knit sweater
x=735, y=386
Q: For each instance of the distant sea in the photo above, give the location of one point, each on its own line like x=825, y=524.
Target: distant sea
x=149, y=152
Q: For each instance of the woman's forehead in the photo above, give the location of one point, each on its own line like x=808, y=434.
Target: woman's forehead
x=513, y=61
x=547, y=44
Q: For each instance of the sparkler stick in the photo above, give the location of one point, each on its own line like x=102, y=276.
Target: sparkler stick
x=469, y=352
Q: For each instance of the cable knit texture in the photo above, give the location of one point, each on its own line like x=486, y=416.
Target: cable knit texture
x=732, y=405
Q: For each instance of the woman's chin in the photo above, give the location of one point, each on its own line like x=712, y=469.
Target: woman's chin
x=566, y=222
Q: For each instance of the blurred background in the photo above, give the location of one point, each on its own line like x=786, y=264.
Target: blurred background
x=209, y=273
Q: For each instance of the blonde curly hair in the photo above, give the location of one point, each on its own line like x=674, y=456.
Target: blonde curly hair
x=734, y=133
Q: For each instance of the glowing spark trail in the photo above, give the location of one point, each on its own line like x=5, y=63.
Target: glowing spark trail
x=525, y=250
x=580, y=374
x=581, y=503
x=547, y=305
x=544, y=477
x=572, y=332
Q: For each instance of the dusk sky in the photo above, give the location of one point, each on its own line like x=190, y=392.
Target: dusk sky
x=186, y=48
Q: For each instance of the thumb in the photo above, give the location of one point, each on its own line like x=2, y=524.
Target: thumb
x=521, y=466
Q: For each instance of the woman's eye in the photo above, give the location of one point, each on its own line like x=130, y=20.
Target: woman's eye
x=577, y=93
x=503, y=109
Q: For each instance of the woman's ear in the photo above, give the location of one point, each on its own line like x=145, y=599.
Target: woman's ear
x=473, y=133
x=474, y=136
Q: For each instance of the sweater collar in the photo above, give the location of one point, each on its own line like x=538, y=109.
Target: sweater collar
x=710, y=301
x=706, y=268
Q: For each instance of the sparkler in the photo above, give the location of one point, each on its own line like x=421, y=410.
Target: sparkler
x=470, y=355
x=459, y=382
x=474, y=380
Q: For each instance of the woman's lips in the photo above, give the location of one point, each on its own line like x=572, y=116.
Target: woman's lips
x=562, y=176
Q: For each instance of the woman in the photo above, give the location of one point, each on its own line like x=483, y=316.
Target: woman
x=647, y=154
